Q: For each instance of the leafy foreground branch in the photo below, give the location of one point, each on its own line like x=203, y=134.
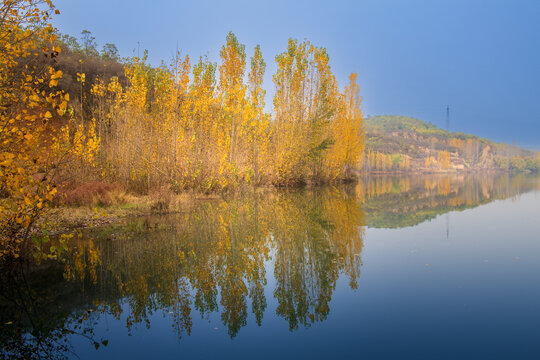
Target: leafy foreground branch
x=33, y=147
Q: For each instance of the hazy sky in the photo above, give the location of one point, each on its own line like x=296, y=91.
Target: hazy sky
x=412, y=57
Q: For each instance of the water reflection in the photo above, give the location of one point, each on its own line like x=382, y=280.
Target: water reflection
x=395, y=202
x=180, y=263
x=219, y=256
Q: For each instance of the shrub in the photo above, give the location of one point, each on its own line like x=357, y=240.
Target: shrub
x=95, y=193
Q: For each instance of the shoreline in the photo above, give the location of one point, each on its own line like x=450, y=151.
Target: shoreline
x=64, y=218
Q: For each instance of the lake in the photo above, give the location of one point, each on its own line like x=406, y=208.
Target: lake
x=422, y=267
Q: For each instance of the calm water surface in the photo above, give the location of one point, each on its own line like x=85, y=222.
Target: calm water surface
x=430, y=267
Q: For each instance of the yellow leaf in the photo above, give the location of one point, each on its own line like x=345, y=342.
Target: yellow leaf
x=48, y=115
x=6, y=162
x=57, y=74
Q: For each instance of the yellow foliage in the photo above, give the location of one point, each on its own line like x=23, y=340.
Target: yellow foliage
x=31, y=152
x=429, y=161
x=443, y=158
x=211, y=135
x=347, y=132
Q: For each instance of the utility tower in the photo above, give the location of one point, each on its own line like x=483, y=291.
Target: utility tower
x=447, y=117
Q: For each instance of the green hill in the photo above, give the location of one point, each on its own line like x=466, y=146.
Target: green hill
x=401, y=143
x=396, y=122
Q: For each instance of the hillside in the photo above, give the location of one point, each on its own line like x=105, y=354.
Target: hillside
x=400, y=143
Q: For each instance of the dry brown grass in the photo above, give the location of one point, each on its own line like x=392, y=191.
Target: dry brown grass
x=94, y=193
x=97, y=203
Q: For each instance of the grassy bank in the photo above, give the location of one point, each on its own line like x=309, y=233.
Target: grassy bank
x=106, y=204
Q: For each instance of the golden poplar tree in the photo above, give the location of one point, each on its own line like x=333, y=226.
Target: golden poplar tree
x=232, y=91
x=347, y=132
x=258, y=127
x=306, y=104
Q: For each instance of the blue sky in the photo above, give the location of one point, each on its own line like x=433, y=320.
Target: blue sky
x=413, y=57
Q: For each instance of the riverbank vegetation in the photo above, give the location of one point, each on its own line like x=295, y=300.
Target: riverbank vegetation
x=89, y=120
x=199, y=125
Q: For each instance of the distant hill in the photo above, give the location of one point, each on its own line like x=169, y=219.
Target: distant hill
x=401, y=143
x=396, y=122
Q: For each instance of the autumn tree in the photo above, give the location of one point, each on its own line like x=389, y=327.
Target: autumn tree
x=32, y=151
x=207, y=167
x=232, y=92
x=306, y=104
x=443, y=158
x=258, y=125
x=347, y=132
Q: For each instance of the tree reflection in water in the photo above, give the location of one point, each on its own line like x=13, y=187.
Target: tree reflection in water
x=214, y=258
